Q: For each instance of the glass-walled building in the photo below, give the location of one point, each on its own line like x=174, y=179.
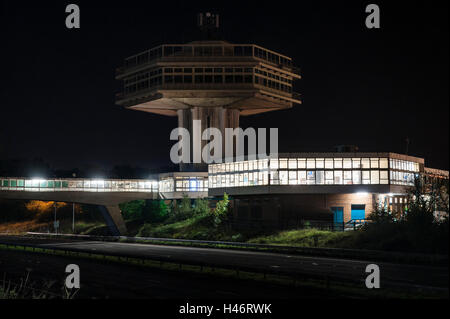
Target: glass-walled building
x=318, y=169
x=178, y=185
x=77, y=185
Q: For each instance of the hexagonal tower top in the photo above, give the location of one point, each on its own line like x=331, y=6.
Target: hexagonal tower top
x=209, y=80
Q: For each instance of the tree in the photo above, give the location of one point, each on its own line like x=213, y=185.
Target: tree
x=425, y=199
x=201, y=207
x=220, y=213
x=43, y=210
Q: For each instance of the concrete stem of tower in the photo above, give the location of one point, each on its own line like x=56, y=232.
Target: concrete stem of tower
x=210, y=117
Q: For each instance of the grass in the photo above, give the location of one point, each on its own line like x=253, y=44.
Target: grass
x=21, y=227
x=197, y=228
x=25, y=289
x=306, y=238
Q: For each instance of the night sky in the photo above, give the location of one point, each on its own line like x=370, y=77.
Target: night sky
x=370, y=88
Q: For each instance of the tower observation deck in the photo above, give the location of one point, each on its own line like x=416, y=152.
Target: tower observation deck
x=213, y=81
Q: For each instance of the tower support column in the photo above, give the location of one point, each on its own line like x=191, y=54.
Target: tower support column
x=210, y=117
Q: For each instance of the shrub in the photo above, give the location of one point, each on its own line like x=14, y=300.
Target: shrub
x=156, y=211
x=132, y=210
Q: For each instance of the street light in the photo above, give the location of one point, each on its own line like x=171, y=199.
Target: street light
x=74, y=175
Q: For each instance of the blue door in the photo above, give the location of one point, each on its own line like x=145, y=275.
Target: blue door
x=358, y=212
x=338, y=214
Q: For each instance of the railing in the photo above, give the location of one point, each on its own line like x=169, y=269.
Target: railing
x=73, y=185
x=354, y=224
x=208, y=86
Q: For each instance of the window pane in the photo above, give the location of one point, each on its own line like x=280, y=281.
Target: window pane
x=374, y=163
x=311, y=163
x=301, y=163
x=292, y=164
x=356, y=177
x=365, y=163
x=338, y=180
x=320, y=163
x=347, y=163
x=375, y=177
x=320, y=177
x=302, y=177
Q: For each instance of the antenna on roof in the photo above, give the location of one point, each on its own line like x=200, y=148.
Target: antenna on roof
x=209, y=24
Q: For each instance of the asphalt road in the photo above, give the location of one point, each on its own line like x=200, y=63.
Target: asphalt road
x=399, y=275
x=103, y=280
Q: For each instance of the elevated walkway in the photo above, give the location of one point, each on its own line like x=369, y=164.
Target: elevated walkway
x=108, y=194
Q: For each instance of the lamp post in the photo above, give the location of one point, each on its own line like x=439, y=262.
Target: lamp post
x=73, y=218
x=55, y=225
x=74, y=175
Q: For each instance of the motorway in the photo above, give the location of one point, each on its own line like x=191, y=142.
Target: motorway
x=398, y=275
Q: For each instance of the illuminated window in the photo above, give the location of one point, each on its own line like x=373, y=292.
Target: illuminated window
x=320, y=163
x=311, y=163
x=292, y=178
x=365, y=163
x=374, y=163
x=274, y=178
x=366, y=177
x=356, y=163
x=283, y=177
x=274, y=164
x=311, y=177
x=356, y=177
x=338, y=163
x=338, y=178
x=329, y=163
x=384, y=163
x=347, y=177
x=292, y=164
x=375, y=177
x=347, y=163
x=301, y=163
x=384, y=177
x=320, y=177
x=302, y=177
x=329, y=177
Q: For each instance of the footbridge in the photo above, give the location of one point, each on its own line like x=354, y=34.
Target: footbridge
x=107, y=194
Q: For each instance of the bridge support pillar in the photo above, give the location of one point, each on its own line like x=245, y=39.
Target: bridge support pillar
x=114, y=219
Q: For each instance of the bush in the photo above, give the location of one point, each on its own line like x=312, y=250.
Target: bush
x=156, y=211
x=132, y=210
x=181, y=211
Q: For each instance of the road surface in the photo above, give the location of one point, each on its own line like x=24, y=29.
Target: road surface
x=399, y=275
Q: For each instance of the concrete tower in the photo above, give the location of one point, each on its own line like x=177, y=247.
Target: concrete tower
x=213, y=81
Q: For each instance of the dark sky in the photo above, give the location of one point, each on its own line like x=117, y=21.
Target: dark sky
x=371, y=88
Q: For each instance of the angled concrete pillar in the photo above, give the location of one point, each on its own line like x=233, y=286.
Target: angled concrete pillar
x=114, y=220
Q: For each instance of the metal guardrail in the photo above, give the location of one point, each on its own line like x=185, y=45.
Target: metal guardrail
x=327, y=278
x=372, y=255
